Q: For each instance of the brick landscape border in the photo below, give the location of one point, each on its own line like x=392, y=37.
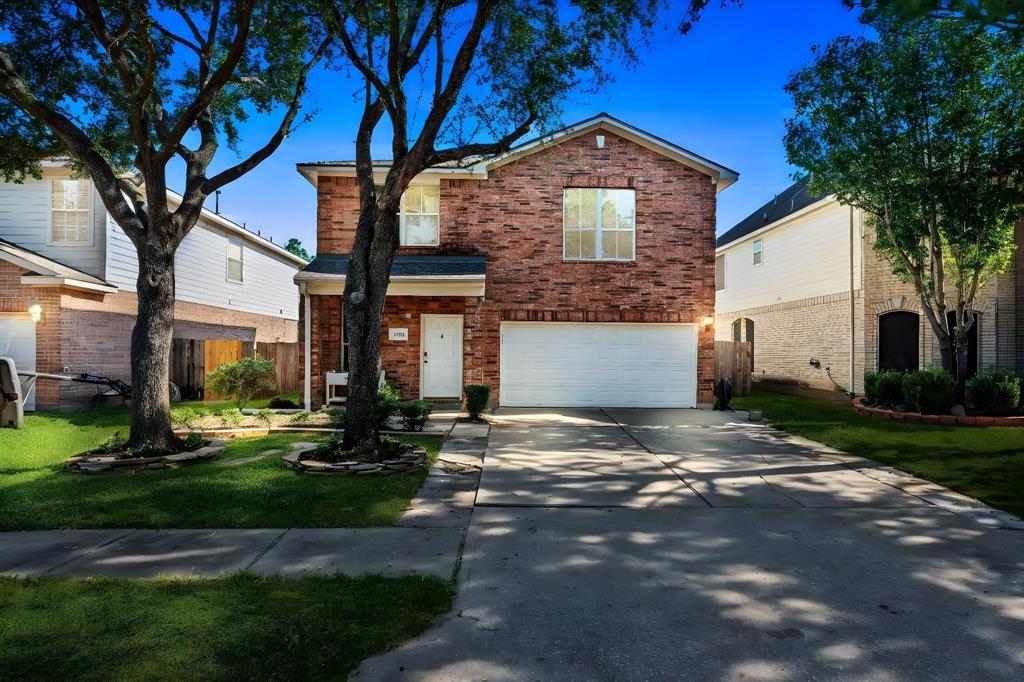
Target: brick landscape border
x=948, y=419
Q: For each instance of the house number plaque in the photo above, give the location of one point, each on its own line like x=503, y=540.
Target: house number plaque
x=398, y=334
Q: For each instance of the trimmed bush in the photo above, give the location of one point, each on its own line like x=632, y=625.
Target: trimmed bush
x=994, y=392
x=387, y=404
x=889, y=389
x=871, y=387
x=414, y=414
x=477, y=398
x=930, y=391
x=243, y=379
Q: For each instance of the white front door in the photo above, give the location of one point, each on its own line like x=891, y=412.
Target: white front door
x=18, y=341
x=441, y=356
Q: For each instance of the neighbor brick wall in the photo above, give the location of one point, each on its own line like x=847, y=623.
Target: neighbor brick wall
x=515, y=218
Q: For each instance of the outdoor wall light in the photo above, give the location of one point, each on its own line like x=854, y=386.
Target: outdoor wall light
x=707, y=322
x=35, y=310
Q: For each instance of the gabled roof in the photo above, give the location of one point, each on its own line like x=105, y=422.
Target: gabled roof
x=477, y=166
x=794, y=198
x=333, y=265
x=48, y=272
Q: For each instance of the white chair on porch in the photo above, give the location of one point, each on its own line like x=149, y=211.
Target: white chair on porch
x=338, y=380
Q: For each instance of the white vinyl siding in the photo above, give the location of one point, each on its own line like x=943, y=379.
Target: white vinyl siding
x=570, y=364
x=599, y=224
x=268, y=288
x=26, y=213
x=809, y=257
x=419, y=217
x=235, y=260
x=719, y=273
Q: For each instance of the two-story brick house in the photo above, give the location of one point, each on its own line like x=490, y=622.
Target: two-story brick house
x=67, y=286
x=575, y=270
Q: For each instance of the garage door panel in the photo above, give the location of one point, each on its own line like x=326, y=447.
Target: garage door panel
x=580, y=365
x=18, y=341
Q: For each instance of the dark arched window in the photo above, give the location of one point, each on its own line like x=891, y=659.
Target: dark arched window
x=898, y=340
x=972, y=343
x=743, y=330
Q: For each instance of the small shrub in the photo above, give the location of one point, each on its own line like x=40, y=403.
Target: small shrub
x=336, y=415
x=300, y=417
x=232, y=417
x=279, y=403
x=889, y=389
x=930, y=391
x=994, y=392
x=187, y=416
x=243, y=379
x=414, y=414
x=387, y=404
x=330, y=447
x=871, y=387
x=265, y=415
x=477, y=398
x=194, y=440
x=114, y=443
x=146, y=450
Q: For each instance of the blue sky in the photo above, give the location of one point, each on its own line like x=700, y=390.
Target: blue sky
x=717, y=91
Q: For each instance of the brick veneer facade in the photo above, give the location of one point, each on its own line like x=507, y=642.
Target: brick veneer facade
x=514, y=217
x=91, y=332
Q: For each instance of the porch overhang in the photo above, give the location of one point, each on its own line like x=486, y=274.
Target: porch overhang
x=411, y=275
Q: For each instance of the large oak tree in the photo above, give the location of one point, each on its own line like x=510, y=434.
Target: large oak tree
x=129, y=90
x=922, y=130
x=458, y=80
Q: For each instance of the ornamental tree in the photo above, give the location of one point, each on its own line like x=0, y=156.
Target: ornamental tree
x=921, y=129
x=132, y=91
x=456, y=80
x=1004, y=15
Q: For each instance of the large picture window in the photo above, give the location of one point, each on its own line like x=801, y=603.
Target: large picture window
x=419, y=218
x=599, y=224
x=70, y=220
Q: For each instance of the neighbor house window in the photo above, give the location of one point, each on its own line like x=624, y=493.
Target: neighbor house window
x=598, y=224
x=419, y=217
x=235, y=261
x=720, y=273
x=758, y=253
x=70, y=211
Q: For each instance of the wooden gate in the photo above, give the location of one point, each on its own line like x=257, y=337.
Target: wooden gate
x=215, y=353
x=734, y=359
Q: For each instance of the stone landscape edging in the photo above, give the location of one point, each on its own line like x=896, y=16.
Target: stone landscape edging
x=95, y=462
x=409, y=461
x=945, y=419
x=257, y=431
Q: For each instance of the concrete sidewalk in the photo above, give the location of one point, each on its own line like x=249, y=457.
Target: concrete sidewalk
x=426, y=541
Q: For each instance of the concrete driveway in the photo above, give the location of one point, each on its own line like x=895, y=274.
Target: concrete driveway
x=666, y=545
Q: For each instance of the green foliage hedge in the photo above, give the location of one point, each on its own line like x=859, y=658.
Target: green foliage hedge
x=995, y=392
x=477, y=398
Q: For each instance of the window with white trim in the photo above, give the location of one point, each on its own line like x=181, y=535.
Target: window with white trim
x=720, y=273
x=235, y=261
x=420, y=216
x=758, y=252
x=598, y=224
x=70, y=211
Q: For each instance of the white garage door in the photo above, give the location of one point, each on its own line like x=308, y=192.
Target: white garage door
x=18, y=341
x=568, y=364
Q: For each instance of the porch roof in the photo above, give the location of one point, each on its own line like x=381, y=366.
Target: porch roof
x=403, y=266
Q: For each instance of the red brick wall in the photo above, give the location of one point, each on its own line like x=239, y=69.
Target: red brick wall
x=515, y=218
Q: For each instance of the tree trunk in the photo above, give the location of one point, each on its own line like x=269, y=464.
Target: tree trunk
x=365, y=290
x=961, y=372
x=151, y=345
x=946, y=352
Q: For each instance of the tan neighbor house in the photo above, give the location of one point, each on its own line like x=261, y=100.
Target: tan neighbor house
x=800, y=278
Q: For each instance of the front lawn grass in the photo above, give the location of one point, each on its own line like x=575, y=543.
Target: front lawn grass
x=38, y=492
x=232, y=628
x=983, y=462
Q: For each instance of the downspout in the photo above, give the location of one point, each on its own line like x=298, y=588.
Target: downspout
x=853, y=314
x=307, y=327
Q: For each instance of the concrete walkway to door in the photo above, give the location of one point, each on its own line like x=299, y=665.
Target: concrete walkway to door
x=665, y=545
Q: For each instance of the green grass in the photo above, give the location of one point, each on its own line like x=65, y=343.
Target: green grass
x=38, y=492
x=986, y=463
x=232, y=628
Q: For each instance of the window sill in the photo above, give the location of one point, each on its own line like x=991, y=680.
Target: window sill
x=598, y=260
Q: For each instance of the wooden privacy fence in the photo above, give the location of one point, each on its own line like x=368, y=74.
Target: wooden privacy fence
x=734, y=359
x=285, y=357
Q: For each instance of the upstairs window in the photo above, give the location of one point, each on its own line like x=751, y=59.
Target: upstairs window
x=720, y=273
x=758, y=252
x=235, y=264
x=419, y=218
x=70, y=212
x=599, y=224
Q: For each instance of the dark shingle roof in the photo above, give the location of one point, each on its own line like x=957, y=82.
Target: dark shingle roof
x=405, y=265
x=791, y=200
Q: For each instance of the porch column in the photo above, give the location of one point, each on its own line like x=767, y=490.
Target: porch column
x=307, y=333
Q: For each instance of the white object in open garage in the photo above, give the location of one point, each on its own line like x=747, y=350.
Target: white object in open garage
x=570, y=364
x=18, y=341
